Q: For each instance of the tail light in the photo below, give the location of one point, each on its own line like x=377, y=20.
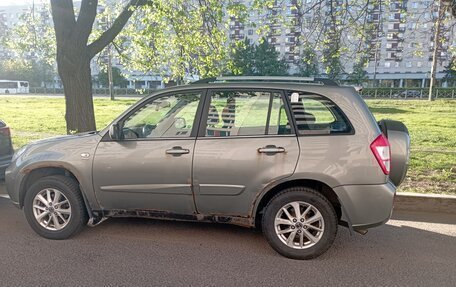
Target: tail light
x=5, y=131
x=381, y=149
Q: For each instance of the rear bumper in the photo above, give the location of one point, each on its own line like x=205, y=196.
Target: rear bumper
x=366, y=206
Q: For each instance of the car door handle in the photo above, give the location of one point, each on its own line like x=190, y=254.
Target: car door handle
x=177, y=150
x=271, y=149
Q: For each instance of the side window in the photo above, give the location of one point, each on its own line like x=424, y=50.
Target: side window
x=278, y=123
x=245, y=113
x=315, y=115
x=167, y=116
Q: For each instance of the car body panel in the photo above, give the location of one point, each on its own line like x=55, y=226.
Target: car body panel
x=229, y=172
x=138, y=174
x=339, y=160
x=366, y=206
x=60, y=152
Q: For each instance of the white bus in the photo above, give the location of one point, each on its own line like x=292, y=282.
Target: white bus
x=14, y=87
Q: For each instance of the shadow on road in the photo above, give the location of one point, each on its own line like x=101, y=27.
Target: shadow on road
x=127, y=251
x=426, y=217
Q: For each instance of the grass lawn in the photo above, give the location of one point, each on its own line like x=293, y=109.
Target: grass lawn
x=432, y=127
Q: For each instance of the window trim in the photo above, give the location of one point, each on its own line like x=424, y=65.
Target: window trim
x=205, y=113
x=139, y=105
x=344, y=116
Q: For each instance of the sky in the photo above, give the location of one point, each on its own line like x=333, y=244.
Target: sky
x=17, y=2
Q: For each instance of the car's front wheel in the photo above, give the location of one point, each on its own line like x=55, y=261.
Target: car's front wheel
x=54, y=207
x=300, y=223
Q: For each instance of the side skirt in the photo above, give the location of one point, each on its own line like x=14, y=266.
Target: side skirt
x=165, y=215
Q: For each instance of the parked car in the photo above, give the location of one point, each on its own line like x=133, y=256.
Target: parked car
x=6, y=148
x=294, y=156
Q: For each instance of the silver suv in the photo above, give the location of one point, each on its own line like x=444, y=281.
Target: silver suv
x=294, y=156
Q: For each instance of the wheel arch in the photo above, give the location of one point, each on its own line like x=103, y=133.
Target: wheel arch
x=319, y=186
x=33, y=175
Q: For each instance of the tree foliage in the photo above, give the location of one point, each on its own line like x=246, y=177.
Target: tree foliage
x=268, y=61
x=359, y=75
x=177, y=38
x=117, y=78
x=262, y=60
x=308, y=64
x=32, y=44
x=242, y=59
x=19, y=70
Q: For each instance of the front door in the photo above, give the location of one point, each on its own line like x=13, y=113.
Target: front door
x=151, y=167
x=245, y=143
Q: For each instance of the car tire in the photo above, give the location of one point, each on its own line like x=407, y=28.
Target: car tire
x=54, y=207
x=301, y=237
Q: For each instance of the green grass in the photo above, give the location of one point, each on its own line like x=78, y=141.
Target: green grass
x=32, y=118
x=432, y=127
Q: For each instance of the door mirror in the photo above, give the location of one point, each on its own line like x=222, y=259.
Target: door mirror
x=114, y=132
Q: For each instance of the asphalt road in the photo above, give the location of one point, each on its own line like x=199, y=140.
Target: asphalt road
x=413, y=249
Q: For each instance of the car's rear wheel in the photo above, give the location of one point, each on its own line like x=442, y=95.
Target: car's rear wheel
x=300, y=223
x=54, y=207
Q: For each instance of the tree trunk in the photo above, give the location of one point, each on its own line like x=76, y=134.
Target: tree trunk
x=77, y=83
x=74, y=55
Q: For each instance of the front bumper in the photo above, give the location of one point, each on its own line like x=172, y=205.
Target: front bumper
x=366, y=206
x=4, y=163
x=12, y=182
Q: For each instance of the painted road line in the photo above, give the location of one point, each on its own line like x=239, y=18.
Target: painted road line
x=5, y=196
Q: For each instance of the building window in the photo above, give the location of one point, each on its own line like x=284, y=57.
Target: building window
x=250, y=32
x=419, y=64
x=387, y=64
x=408, y=64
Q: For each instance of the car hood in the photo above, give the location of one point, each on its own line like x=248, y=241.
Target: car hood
x=62, y=138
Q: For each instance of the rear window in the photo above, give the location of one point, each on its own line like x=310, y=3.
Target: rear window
x=317, y=115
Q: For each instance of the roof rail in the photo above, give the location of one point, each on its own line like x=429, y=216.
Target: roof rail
x=308, y=80
x=205, y=81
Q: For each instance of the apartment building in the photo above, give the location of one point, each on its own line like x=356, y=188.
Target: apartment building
x=399, y=47
x=402, y=53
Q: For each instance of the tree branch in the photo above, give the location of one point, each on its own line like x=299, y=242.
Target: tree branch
x=86, y=17
x=63, y=18
x=108, y=36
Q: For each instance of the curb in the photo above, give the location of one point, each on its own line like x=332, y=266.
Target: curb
x=409, y=201
x=405, y=201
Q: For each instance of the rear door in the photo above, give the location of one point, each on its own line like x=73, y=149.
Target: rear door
x=245, y=142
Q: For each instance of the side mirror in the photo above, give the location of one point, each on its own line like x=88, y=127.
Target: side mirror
x=114, y=131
